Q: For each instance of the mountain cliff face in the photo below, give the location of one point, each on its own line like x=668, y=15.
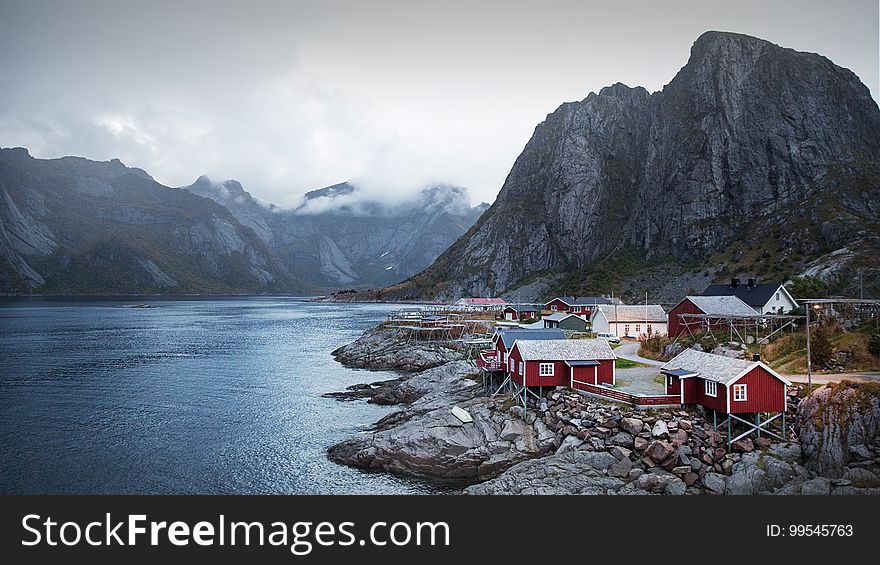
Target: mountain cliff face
x=754, y=158
x=74, y=226
x=339, y=237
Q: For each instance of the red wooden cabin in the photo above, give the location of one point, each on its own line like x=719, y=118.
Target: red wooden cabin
x=561, y=362
x=581, y=306
x=519, y=312
x=724, y=384
x=504, y=340
x=717, y=309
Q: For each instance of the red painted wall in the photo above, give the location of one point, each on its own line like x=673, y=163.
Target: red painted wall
x=514, y=354
x=561, y=375
x=694, y=393
x=584, y=375
x=675, y=387
x=606, y=372
x=560, y=306
x=675, y=327
x=765, y=393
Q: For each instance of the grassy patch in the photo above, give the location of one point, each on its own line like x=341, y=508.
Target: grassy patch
x=627, y=364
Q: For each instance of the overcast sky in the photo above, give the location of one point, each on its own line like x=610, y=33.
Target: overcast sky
x=289, y=96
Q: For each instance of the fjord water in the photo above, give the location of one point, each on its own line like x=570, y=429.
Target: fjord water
x=186, y=396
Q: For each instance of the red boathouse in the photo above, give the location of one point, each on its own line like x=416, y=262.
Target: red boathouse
x=728, y=386
x=540, y=363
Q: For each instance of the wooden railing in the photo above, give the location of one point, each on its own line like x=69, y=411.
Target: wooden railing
x=488, y=361
x=620, y=396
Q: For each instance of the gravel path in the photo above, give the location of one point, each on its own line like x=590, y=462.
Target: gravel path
x=639, y=380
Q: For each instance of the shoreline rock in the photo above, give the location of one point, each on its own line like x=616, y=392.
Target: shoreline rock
x=385, y=348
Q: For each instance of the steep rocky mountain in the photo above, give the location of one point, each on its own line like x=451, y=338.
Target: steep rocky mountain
x=339, y=237
x=754, y=159
x=74, y=226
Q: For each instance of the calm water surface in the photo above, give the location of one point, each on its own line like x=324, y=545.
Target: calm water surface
x=189, y=396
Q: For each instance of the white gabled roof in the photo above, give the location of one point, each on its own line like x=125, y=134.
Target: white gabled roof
x=718, y=368
x=633, y=313
x=565, y=350
x=723, y=306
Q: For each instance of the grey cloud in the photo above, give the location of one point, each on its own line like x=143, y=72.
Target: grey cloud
x=288, y=96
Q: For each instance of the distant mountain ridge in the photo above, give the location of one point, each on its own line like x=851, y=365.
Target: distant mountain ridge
x=753, y=159
x=75, y=226
x=338, y=236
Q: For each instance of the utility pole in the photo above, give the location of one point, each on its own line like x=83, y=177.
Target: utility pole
x=809, y=357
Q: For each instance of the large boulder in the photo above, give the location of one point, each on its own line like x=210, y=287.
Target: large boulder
x=573, y=472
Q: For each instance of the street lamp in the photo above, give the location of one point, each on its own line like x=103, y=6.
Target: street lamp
x=817, y=307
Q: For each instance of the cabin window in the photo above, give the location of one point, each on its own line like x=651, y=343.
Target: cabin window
x=649, y=328
x=577, y=308
x=711, y=388
x=638, y=328
x=510, y=364
x=626, y=329
x=740, y=393
x=669, y=380
x=777, y=297
x=553, y=307
x=545, y=369
x=522, y=369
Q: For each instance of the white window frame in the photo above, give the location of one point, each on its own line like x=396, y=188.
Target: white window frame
x=740, y=393
x=626, y=329
x=711, y=388
x=777, y=297
x=542, y=366
x=554, y=307
x=638, y=329
x=577, y=309
x=511, y=364
x=522, y=369
x=668, y=380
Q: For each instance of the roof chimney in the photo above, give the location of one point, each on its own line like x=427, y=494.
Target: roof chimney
x=734, y=282
x=751, y=283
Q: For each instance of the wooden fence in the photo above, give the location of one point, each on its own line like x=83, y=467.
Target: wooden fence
x=625, y=397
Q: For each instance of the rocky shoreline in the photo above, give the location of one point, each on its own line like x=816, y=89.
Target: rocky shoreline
x=573, y=444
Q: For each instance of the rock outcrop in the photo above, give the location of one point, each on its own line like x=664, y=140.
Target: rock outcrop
x=426, y=440
x=839, y=427
x=386, y=348
x=747, y=137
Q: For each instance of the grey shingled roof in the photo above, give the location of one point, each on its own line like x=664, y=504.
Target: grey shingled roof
x=565, y=350
x=712, y=367
x=524, y=307
x=723, y=306
x=559, y=316
x=509, y=337
x=634, y=313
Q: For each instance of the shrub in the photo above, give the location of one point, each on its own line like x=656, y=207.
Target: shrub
x=821, y=349
x=874, y=344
